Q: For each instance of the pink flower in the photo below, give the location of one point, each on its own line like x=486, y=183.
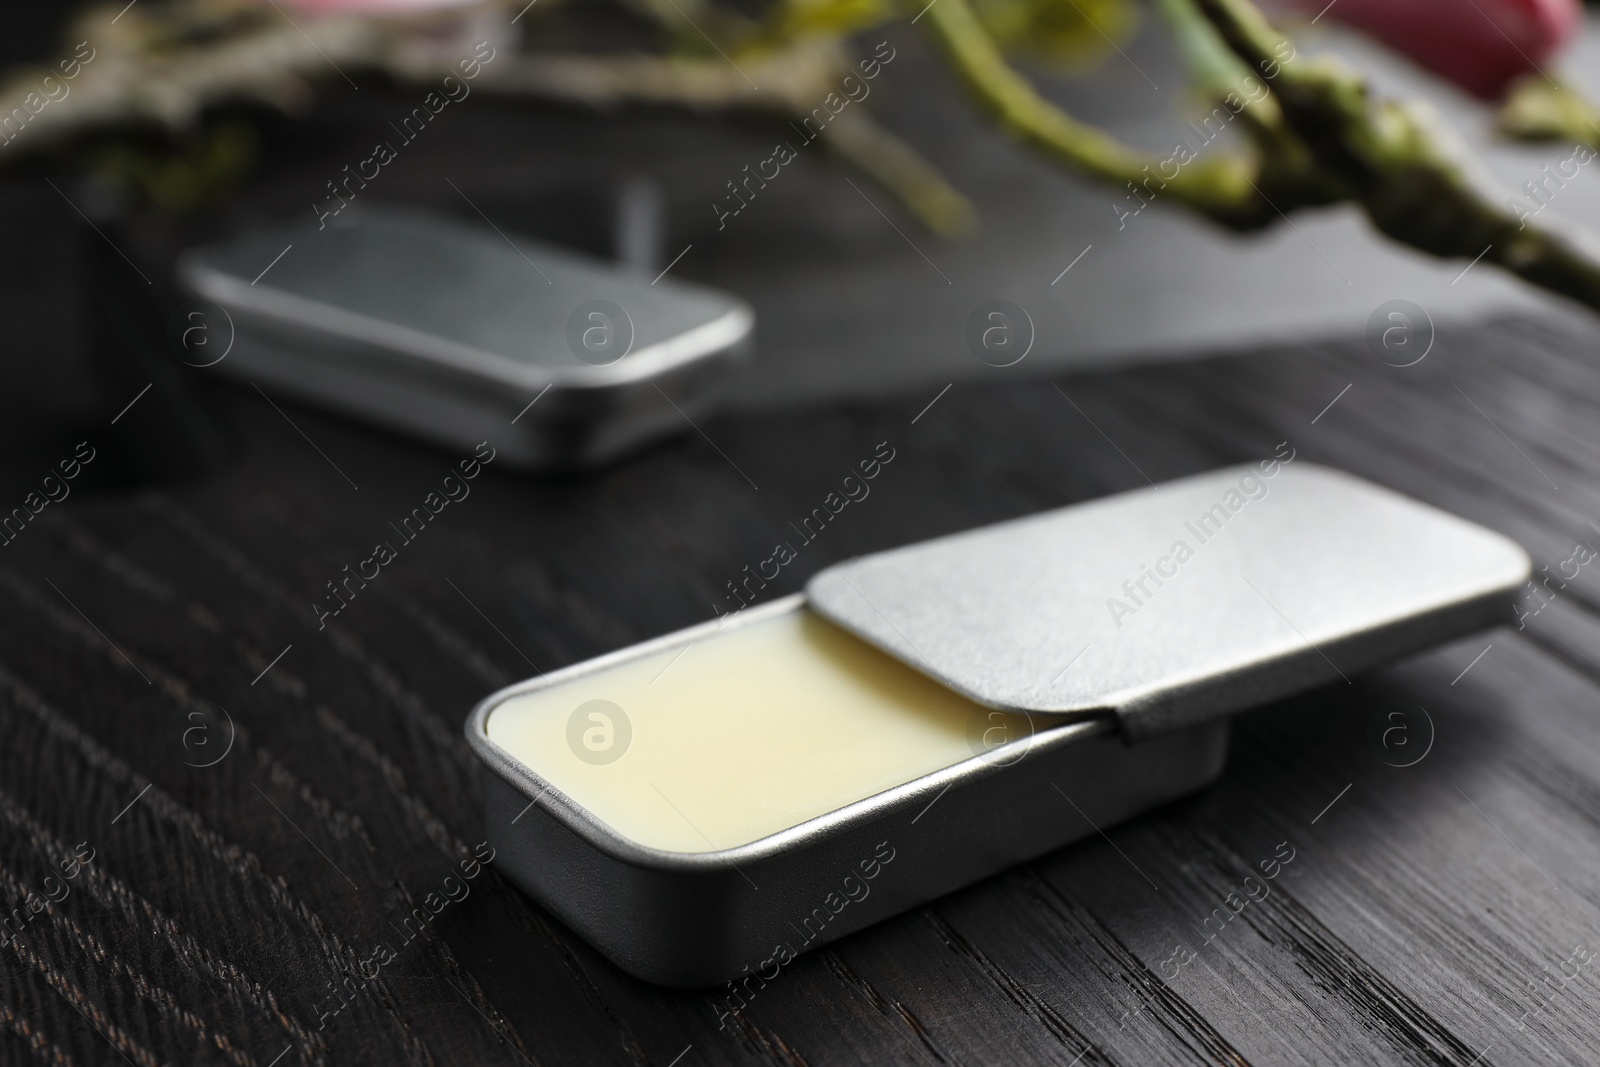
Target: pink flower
x=1481, y=45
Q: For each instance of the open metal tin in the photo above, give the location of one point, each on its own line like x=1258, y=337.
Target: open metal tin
x=455, y=334
x=1304, y=576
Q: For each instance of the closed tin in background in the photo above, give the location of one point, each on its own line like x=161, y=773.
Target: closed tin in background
x=455, y=334
x=1323, y=576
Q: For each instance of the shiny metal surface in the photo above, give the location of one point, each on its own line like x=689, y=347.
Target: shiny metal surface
x=694, y=919
x=1286, y=580
x=1303, y=576
x=449, y=332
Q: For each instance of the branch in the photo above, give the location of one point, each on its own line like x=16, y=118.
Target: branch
x=1537, y=110
x=1288, y=176
x=893, y=164
x=1224, y=188
x=135, y=77
x=161, y=66
x=793, y=82
x=1415, y=186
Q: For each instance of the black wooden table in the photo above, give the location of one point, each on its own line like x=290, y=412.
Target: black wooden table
x=1434, y=892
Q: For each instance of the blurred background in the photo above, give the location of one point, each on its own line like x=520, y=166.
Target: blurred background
x=987, y=164
x=855, y=294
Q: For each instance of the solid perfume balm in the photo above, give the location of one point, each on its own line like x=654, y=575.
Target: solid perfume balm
x=706, y=803
x=745, y=733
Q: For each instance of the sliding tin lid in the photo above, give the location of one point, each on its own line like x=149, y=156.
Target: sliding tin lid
x=1172, y=605
x=436, y=294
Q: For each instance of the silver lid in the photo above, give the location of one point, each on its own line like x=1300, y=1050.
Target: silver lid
x=437, y=295
x=1172, y=605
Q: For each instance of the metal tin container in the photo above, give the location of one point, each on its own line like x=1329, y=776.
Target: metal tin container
x=1304, y=576
x=457, y=334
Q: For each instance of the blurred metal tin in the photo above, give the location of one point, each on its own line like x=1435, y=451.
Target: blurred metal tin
x=696, y=919
x=456, y=334
x=1001, y=615
x=1184, y=602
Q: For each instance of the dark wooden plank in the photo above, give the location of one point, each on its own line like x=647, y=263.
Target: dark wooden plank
x=1407, y=929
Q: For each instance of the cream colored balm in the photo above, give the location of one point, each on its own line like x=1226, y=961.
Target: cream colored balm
x=742, y=734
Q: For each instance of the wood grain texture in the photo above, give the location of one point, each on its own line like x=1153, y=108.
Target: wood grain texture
x=1420, y=919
